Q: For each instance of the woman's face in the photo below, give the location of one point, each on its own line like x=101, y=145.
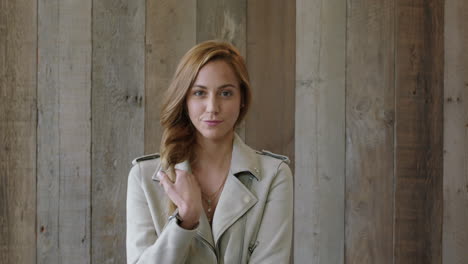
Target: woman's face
x=214, y=100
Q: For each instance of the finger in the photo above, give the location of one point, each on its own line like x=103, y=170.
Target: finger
x=187, y=176
x=164, y=180
x=169, y=187
x=181, y=174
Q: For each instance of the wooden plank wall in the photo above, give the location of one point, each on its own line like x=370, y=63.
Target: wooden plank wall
x=419, y=111
x=170, y=32
x=455, y=217
x=271, y=63
x=117, y=119
x=320, y=131
x=18, y=71
x=63, y=132
x=370, y=143
x=394, y=90
x=224, y=20
x=362, y=114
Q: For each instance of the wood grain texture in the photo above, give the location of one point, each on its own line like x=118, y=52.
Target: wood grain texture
x=455, y=216
x=170, y=33
x=64, y=132
x=18, y=60
x=369, y=132
x=117, y=118
x=320, y=132
x=224, y=20
x=271, y=49
x=419, y=131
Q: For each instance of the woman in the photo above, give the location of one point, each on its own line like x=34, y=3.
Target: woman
x=208, y=198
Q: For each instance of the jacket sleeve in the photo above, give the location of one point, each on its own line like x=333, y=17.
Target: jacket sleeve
x=274, y=239
x=143, y=244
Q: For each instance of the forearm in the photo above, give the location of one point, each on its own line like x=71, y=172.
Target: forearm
x=144, y=245
x=172, y=246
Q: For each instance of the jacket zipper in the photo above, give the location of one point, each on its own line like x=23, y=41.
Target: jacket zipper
x=243, y=241
x=252, y=247
x=248, y=185
x=209, y=246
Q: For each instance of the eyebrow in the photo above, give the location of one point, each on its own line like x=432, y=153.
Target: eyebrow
x=220, y=87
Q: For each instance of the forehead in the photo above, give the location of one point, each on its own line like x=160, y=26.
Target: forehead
x=216, y=72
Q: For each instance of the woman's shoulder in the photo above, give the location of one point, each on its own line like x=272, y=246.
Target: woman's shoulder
x=153, y=156
x=273, y=164
x=274, y=170
x=275, y=157
x=146, y=166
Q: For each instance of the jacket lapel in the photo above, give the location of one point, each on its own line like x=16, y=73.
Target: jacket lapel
x=234, y=202
x=236, y=199
x=204, y=229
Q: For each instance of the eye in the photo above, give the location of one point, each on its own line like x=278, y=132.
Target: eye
x=198, y=93
x=226, y=93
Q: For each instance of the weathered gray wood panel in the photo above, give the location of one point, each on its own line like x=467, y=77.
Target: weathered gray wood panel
x=455, y=216
x=271, y=53
x=18, y=69
x=224, y=20
x=320, y=131
x=117, y=118
x=170, y=33
x=64, y=132
x=419, y=113
x=369, y=132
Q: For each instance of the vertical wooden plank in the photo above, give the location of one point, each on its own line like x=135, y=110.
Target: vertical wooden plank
x=320, y=131
x=170, y=33
x=419, y=101
x=117, y=118
x=455, y=231
x=48, y=133
x=64, y=132
x=224, y=20
x=271, y=49
x=18, y=70
x=369, y=132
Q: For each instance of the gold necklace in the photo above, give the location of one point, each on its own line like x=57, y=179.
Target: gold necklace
x=210, y=200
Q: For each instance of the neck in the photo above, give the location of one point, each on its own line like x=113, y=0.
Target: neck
x=216, y=153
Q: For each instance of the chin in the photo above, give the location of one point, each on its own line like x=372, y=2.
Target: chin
x=214, y=135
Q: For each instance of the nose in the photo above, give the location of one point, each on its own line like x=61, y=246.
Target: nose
x=212, y=105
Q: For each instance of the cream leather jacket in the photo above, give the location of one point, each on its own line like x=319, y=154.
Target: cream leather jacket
x=252, y=221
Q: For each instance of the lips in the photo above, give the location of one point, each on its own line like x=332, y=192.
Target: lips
x=212, y=122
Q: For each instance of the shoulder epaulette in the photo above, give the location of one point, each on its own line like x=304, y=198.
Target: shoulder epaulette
x=146, y=157
x=274, y=155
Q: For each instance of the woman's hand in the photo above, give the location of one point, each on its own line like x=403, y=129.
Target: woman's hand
x=185, y=193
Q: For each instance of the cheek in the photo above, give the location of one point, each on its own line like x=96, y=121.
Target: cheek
x=234, y=109
x=192, y=110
